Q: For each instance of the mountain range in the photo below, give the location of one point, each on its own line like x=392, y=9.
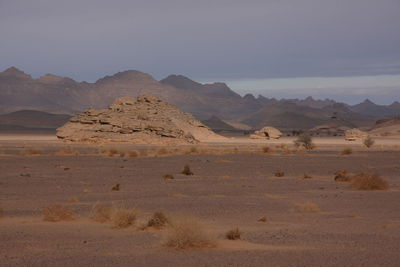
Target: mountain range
x=62, y=95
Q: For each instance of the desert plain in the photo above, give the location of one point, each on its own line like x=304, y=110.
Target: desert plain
x=284, y=201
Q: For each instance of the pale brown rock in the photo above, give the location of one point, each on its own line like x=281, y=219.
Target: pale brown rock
x=267, y=132
x=142, y=120
x=355, y=134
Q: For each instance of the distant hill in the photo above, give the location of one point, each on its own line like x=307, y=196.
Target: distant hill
x=32, y=119
x=370, y=108
x=218, y=125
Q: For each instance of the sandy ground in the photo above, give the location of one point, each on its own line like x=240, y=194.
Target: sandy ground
x=352, y=228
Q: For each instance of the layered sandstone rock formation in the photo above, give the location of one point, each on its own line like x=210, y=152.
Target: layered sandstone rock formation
x=267, y=132
x=355, y=134
x=142, y=120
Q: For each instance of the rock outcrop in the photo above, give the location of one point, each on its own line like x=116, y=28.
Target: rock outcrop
x=355, y=134
x=142, y=120
x=267, y=132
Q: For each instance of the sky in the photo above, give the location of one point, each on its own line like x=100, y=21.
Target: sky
x=252, y=45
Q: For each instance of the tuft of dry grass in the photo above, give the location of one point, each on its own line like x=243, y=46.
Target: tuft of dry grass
x=132, y=154
x=186, y=170
x=307, y=176
x=122, y=154
x=101, y=213
x=369, y=141
x=57, y=213
x=32, y=151
x=188, y=233
x=67, y=151
x=112, y=152
x=342, y=176
x=116, y=187
x=233, y=234
x=365, y=181
x=194, y=150
x=162, y=151
x=266, y=149
x=279, y=174
x=123, y=218
x=158, y=220
x=72, y=199
x=346, y=151
x=307, y=207
x=169, y=177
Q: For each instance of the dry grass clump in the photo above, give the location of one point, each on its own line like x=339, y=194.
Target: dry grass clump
x=186, y=170
x=304, y=140
x=279, y=174
x=123, y=218
x=57, y=213
x=122, y=154
x=365, y=181
x=307, y=207
x=112, y=152
x=116, y=187
x=266, y=149
x=368, y=142
x=169, y=177
x=263, y=219
x=188, y=233
x=132, y=154
x=346, y=151
x=101, y=213
x=194, y=150
x=162, y=151
x=233, y=234
x=158, y=220
x=67, y=151
x=32, y=151
x=72, y=199
x=307, y=176
x=342, y=176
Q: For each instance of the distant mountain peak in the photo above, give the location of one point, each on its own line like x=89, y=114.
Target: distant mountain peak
x=249, y=97
x=367, y=101
x=181, y=82
x=126, y=75
x=15, y=72
x=51, y=78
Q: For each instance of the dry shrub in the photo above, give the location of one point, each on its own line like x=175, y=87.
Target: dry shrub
x=57, y=213
x=132, y=154
x=304, y=140
x=307, y=176
x=193, y=150
x=342, y=176
x=346, y=151
x=187, y=233
x=123, y=218
x=158, y=220
x=169, y=177
x=368, y=142
x=279, y=174
x=162, y=152
x=307, y=207
x=101, y=213
x=263, y=219
x=122, y=154
x=144, y=153
x=67, y=151
x=116, y=187
x=186, y=170
x=266, y=149
x=112, y=152
x=365, y=181
x=32, y=151
x=233, y=234
x=73, y=199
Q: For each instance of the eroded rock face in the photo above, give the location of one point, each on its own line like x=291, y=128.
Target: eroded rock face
x=142, y=120
x=355, y=134
x=267, y=132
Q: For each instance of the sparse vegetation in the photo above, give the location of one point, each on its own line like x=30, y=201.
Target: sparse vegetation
x=365, y=181
x=187, y=170
x=263, y=219
x=342, y=176
x=193, y=150
x=369, y=142
x=32, y=151
x=233, y=234
x=346, y=151
x=304, y=140
x=116, y=187
x=162, y=152
x=188, y=233
x=169, y=177
x=158, y=220
x=266, y=149
x=132, y=154
x=307, y=176
x=57, y=213
x=122, y=154
x=73, y=199
x=279, y=174
x=112, y=152
x=101, y=213
x=67, y=151
x=307, y=207
x=123, y=218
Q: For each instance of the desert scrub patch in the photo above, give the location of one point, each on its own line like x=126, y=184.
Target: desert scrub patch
x=233, y=234
x=279, y=173
x=168, y=177
x=162, y=152
x=346, y=151
x=263, y=219
x=186, y=170
x=116, y=187
x=112, y=152
x=101, y=213
x=132, y=154
x=188, y=233
x=307, y=207
x=266, y=149
x=342, y=176
x=32, y=151
x=368, y=141
x=123, y=218
x=158, y=220
x=57, y=213
x=365, y=181
x=72, y=199
x=67, y=151
x=307, y=176
x=304, y=140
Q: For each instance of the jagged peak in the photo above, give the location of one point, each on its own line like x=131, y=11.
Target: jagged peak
x=249, y=97
x=15, y=72
x=51, y=78
x=126, y=75
x=181, y=82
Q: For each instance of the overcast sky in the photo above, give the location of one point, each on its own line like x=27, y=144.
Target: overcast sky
x=215, y=40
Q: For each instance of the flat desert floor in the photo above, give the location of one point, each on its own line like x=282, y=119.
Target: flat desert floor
x=307, y=222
